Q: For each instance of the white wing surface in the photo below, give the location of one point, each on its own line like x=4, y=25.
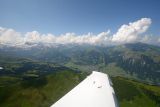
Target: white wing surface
x=95, y=91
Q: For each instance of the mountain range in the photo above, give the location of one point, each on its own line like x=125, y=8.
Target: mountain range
x=137, y=60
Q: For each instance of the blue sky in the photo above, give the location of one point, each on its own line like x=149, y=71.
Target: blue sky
x=78, y=16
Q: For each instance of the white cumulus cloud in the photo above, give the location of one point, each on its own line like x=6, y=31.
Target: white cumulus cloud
x=130, y=33
x=126, y=34
x=67, y=38
x=10, y=36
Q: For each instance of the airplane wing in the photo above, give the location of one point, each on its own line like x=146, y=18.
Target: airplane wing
x=95, y=91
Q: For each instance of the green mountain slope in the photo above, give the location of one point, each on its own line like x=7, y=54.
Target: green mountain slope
x=135, y=94
x=40, y=91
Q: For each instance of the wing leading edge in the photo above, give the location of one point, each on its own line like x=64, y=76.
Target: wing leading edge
x=95, y=91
